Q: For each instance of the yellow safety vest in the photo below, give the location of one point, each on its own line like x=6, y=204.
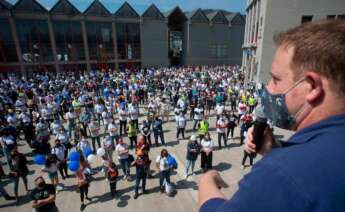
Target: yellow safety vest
x=251, y=101
x=244, y=98
x=132, y=131
x=203, y=129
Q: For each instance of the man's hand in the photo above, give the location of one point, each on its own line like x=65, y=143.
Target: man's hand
x=268, y=143
x=209, y=187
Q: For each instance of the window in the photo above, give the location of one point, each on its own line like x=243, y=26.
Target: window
x=128, y=40
x=330, y=17
x=306, y=19
x=8, y=51
x=69, y=40
x=34, y=41
x=100, y=40
x=342, y=17
x=218, y=51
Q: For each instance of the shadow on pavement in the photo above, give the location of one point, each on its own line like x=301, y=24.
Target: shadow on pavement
x=173, y=143
x=222, y=166
x=184, y=184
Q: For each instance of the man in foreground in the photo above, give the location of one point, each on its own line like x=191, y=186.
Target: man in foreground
x=306, y=94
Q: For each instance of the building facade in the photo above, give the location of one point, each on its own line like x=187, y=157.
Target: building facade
x=264, y=18
x=33, y=38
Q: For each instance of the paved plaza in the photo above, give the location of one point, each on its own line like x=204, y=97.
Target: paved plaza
x=226, y=161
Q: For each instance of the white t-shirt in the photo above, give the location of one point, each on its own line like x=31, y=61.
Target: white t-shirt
x=134, y=113
x=207, y=145
x=59, y=152
x=163, y=163
x=221, y=125
x=181, y=122
x=107, y=144
x=119, y=148
x=113, y=129
x=241, y=108
x=63, y=137
x=122, y=115
x=219, y=109
x=24, y=117
x=198, y=113
x=70, y=116
x=99, y=108
x=177, y=111
x=106, y=117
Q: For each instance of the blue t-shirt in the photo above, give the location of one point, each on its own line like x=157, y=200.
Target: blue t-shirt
x=307, y=174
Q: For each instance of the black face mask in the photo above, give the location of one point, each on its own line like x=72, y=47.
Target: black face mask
x=41, y=184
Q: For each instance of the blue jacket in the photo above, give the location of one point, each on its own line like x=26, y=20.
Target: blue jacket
x=307, y=174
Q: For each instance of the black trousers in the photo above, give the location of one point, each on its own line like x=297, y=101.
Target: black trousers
x=206, y=161
x=63, y=169
x=251, y=158
x=84, y=190
x=148, y=139
x=123, y=125
x=220, y=136
x=230, y=130
x=180, y=130
x=133, y=140
x=160, y=136
x=93, y=140
x=142, y=178
x=112, y=186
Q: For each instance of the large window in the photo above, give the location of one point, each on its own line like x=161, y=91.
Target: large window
x=69, y=40
x=7, y=47
x=100, y=41
x=219, y=51
x=128, y=40
x=34, y=40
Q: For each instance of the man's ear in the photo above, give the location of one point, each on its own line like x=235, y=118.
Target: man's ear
x=316, y=89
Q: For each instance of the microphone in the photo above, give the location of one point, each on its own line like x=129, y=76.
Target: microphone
x=260, y=125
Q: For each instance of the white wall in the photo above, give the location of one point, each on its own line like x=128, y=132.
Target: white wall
x=280, y=15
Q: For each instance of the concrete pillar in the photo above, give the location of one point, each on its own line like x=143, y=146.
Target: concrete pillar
x=53, y=43
x=17, y=45
x=116, y=56
x=86, y=46
x=141, y=40
x=188, y=38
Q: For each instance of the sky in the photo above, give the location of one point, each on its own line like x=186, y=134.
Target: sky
x=164, y=5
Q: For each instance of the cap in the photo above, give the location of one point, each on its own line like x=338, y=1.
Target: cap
x=193, y=137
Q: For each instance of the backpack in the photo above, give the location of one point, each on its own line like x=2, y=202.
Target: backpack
x=172, y=162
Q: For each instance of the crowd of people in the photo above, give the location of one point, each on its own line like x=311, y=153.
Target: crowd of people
x=115, y=113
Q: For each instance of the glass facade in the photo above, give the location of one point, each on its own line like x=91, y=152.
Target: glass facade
x=69, y=40
x=8, y=51
x=128, y=40
x=34, y=40
x=100, y=40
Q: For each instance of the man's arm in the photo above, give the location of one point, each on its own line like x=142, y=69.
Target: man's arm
x=209, y=187
x=40, y=203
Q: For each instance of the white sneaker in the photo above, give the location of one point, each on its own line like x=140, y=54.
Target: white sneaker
x=242, y=167
x=186, y=176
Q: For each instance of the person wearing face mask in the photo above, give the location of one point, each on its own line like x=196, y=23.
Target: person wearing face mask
x=207, y=146
x=306, y=94
x=60, y=151
x=43, y=196
x=164, y=168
